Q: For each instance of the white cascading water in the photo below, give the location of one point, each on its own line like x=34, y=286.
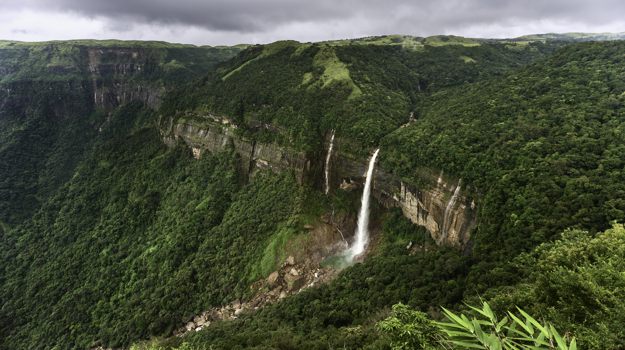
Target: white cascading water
x=362, y=232
x=450, y=206
x=327, y=169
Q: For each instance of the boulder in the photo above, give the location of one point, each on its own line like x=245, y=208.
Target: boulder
x=199, y=319
x=295, y=282
x=273, y=278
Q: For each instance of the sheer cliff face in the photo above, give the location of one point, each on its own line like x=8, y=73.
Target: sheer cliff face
x=109, y=76
x=444, y=207
x=111, y=71
x=444, y=210
x=115, y=72
x=56, y=97
x=220, y=135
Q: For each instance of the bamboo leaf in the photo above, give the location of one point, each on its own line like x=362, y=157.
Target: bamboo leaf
x=453, y=317
x=559, y=340
x=533, y=322
x=467, y=344
x=458, y=334
x=483, y=312
x=521, y=323
x=573, y=345
x=465, y=319
x=489, y=312
x=450, y=325
x=501, y=323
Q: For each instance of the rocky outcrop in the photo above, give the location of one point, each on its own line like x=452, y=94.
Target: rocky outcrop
x=116, y=73
x=214, y=134
x=447, y=211
x=302, y=269
x=112, y=71
x=443, y=210
x=444, y=206
x=290, y=279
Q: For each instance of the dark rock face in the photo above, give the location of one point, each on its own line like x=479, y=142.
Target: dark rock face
x=56, y=98
x=449, y=218
x=219, y=134
x=111, y=71
x=444, y=208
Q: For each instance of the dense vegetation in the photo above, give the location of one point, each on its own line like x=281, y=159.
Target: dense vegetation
x=44, y=131
x=410, y=329
x=343, y=313
x=48, y=116
x=109, y=237
x=122, y=247
x=362, y=91
x=577, y=283
x=70, y=60
x=543, y=148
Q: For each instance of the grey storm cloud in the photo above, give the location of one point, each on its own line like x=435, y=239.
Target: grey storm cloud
x=399, y=15
x=260, y=21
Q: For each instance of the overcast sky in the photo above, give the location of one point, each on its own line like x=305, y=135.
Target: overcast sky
x=215, y=22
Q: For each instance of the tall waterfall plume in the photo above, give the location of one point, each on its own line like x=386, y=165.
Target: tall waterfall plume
x=362, y=231
x=327, y=167
x=446, y=216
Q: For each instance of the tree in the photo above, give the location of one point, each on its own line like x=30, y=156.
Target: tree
x=512, y=332
x=409, y=329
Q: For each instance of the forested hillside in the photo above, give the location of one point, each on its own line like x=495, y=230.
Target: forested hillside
x=117, y=230
x=543, y=147
x=362, y=91
x=55, y=96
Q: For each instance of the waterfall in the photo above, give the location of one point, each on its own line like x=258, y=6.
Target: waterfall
x=362, y=232
x=450, y=206
x=327, y=168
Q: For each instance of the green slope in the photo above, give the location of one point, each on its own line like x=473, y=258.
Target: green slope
x=364, y=90
x=48, y=116
x=68, y=60
x=120, y=252
x=542, y=146
x=132, y=236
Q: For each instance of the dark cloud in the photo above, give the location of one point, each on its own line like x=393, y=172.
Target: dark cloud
x=229, y=15
x=297, y=19
x=254, y=15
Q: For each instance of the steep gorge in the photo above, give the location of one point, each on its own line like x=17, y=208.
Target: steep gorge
x=57, y=97
x=442, y=207
x=197, y=250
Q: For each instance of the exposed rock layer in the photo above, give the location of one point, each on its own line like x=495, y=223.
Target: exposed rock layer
x=449, y=219
x=111, y=71
x=218, y=135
